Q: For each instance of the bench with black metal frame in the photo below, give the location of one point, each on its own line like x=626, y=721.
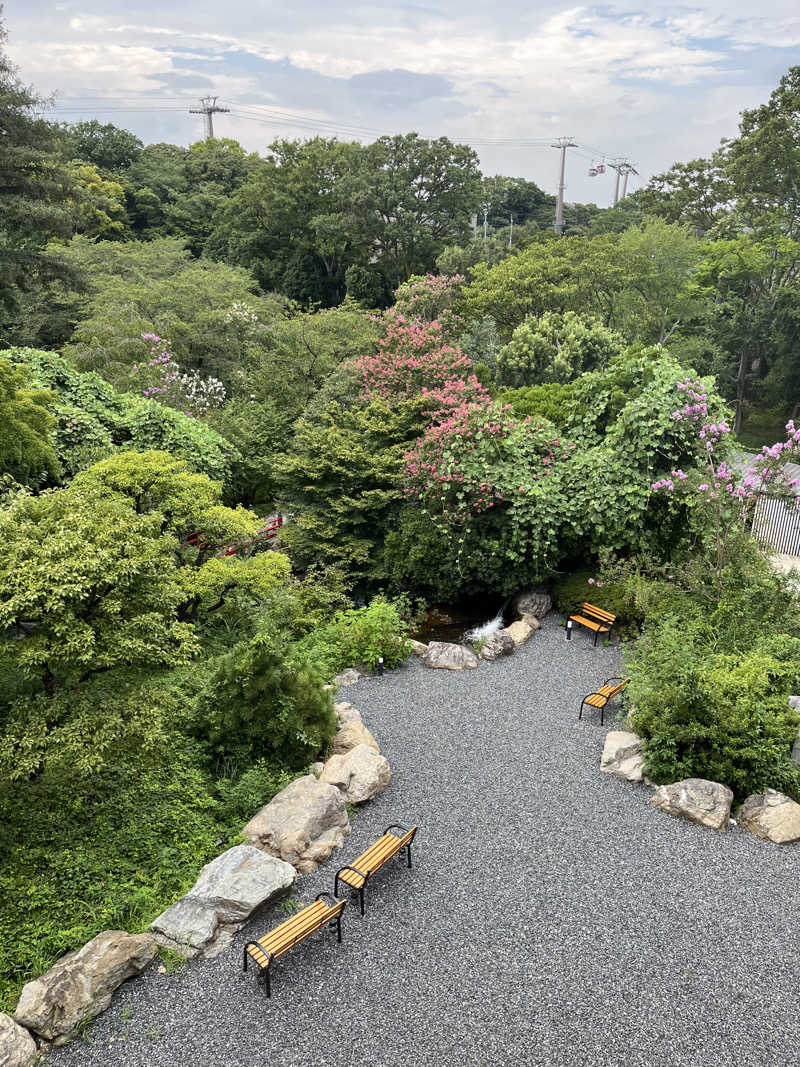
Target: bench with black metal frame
x=603, y=696
x=292, y=932
x=356, y=874
x=594, y=619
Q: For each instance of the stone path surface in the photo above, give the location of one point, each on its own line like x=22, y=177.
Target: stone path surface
x=552, y=917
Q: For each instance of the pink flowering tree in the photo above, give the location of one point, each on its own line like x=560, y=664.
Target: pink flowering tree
x=160, y=378
x=721, y=494
x=491, y=484
x=417, y=358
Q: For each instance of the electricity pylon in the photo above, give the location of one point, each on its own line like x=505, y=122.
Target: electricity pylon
x=623, y=167
x=208, y=108
x=563, y=143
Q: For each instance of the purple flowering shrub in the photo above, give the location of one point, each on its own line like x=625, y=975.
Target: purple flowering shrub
x=161, y=379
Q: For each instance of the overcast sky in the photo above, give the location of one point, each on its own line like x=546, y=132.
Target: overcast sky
x=654, y=82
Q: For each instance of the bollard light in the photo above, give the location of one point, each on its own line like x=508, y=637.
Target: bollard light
x=569, y=629
x=380, y=665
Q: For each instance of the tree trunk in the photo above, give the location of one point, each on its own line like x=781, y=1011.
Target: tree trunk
x=741, y=380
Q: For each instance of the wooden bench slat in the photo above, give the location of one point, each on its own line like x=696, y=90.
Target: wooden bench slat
x=590, y=609
x=356, y=874
x=592, y=624
x=298, y=927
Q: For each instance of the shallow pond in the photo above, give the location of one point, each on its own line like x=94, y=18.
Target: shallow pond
x=452, y=622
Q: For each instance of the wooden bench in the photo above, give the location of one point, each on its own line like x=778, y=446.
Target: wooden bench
x=595, y=619
x=604, y=695
x=292, y=932
x=356, y=874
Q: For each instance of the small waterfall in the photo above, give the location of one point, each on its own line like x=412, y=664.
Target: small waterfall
x=486, y=629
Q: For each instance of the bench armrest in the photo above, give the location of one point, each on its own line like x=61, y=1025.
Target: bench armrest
x=396, y=826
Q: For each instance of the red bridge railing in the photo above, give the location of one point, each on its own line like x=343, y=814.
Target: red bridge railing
x=267, y=532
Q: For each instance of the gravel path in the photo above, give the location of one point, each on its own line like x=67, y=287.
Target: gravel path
x=552, y=917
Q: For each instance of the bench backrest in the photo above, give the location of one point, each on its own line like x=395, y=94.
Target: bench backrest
x=597, y=613
x=618, y=689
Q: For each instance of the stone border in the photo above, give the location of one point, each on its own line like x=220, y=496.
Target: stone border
x=770, y=815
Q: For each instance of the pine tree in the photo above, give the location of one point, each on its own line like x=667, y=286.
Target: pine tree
x=34, y=192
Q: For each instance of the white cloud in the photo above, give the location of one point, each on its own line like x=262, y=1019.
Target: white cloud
x=654, y=83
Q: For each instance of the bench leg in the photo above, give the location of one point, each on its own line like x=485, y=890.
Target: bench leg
x=580, y=713
x=339, y=929
x=361, y=898
x=408, y=853
x=267, y=982
x=244, y=962
x=596, y=635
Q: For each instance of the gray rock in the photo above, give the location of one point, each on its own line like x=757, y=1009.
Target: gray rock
x=696, y=799
x=17, y=1047
x=622, y=755
x=794, y=704
x=350, y=735
x=418, y=648
x=451, y=657
x=316, y=768
x=772, y=815
x=535, y=602
x=230, y=888
x=303, y=823
x=345, y=712
x=80, y=985
x=347, y=677
x=498, y=644
x=360, y=774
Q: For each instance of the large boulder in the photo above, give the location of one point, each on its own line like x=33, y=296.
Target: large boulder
x=696, y=799
x=497, y=645
x=345, y=712
x=535, y=602
x=348, y=677
x=79, y=986
x=230, y=888
x=17, y=1047
x=622, y=755
x=519, y=631
x=360, y=774
x=450, y=657
x=303, y=823
x=772, y=815
x=350, y=735
x=418, y=648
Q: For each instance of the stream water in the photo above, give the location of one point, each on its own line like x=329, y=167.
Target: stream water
x=467, y=620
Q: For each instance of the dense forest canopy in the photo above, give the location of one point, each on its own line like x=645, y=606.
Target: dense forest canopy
x=195, y=338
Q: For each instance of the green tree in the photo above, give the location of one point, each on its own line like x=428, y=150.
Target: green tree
x=35, y=189
x=419, y=195
x=342, y=483
x=262, y=699
x=762, y=163
x=208, y=311
x=89, y=584
x=99, y=204
x=102, y=145
x=753, y=295
x=26, y=447
x=636, y=282
x=92, y=420
x=556, y=347
x=298, y=222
